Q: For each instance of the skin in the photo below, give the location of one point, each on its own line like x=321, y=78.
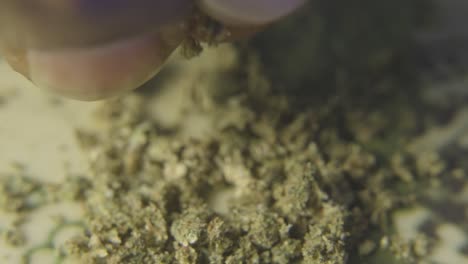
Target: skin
x=91, y=50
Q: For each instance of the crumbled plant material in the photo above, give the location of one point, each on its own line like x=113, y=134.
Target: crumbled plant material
x=410, y=251
x=21, y=193
x=202, y=29
x=303, y=184
x=14, y=236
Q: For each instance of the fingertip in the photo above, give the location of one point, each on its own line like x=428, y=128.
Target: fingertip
x=97, y=73
x=249, y=12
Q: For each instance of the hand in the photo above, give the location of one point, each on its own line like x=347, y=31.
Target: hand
x=93, y=49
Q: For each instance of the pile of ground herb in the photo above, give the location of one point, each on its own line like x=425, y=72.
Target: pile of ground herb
x=275, y=180
x=272, y=178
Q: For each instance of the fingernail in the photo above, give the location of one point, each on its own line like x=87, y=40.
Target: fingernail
x=249, y=12
x=105, y=71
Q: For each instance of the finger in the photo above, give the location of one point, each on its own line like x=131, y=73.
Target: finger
x=249, y=12
x=46, y=24
x=98, y=72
